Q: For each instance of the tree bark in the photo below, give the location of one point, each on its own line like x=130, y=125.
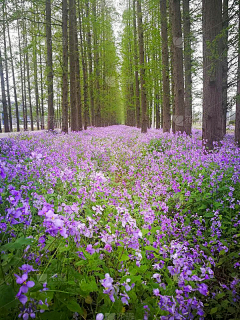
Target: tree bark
x=179, y=116
x=212, y=72
x=78, y=86
x=165, y=68
x=96, y=68
x=4, y=101
x=14, y=81
x=72, y=56
x=29, y=85
x=35, y=73
x=187, y=66
x=142, y=69
x=225, y=64
x=65, y=66
x=49, y=66
x=41, y=88
x=137, y=91
x=21, y=77
x=237, y=121
x=90, y=64
x=6, y=70
x=84, y=69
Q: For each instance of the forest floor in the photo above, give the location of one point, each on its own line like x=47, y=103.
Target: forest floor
x=110, y=222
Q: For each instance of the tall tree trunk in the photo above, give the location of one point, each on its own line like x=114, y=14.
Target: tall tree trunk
x=49, y=66
x=35, y=73
x=137, y=91
x=4, y=101
x=14, y=81
x=78, y=87
x=41, y=88
x=142, y=69
x=72, y=56
x=96, y=68
x=225, y=64
x=6, y=69
x=237, y=121
x=84, y=68
x=179, y=116
x=165, y=68
x=65, y=66
x=212, y=72
x=29, y=86
x=21, y=77
x=25, y=85
x=187, y=66
x=90, y=64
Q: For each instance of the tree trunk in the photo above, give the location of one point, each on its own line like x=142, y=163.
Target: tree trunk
x=72, y=56
x=14, y=81
x=165, y=68
x=41, y=84
x=179, y=116
x=225, y=64
x=90, y=64
x=6, y=70
x=4, y=101
x=96, y=68
x=29, y=86
x=237, y=121
x=84, y=68
x=35, y=72
x=49, y=66
x=137, y=91
x=187, y=66
x=21, y=76
x=212, y=72
x=65, y=66
x=142, y=69
x=78, y=85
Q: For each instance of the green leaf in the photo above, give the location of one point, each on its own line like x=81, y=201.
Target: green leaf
x=73, y=306
x=18, y=244
x=151, y=248
x=214, y=310
x=7, y=295
x=124, y=257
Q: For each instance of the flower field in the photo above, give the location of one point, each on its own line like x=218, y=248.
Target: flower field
x=113, y=224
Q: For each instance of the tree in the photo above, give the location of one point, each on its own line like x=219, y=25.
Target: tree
x=165, y=68
x=225, y=64
x=72, y=56
x=49, y=66
x=187, y=66
x=4, y=101
x=237, y=121
x=142, y=69
x=137, y=91
x=212, y=72
x=65, y=66
x=90, y=63
x=14, y=81
x=6, y=69
x=179, y=117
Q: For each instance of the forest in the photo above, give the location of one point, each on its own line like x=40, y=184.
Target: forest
x=120, y=159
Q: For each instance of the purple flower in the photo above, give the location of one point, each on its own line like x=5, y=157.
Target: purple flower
x=156, y=292
x=90, y=249
x=99, y=316
x=203, y=289
x=124, y=298
x=27, y=268
x=25, y=284
x=22, y=298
